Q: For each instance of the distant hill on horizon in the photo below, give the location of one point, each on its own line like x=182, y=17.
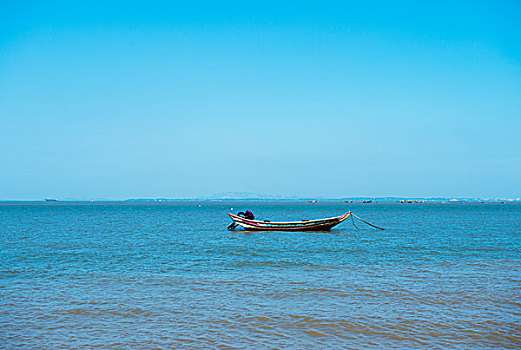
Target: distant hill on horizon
x=239, y=196
x=252, y=196
x=247, y=196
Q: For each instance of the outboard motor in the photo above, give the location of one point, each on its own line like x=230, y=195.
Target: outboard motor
x=247, y=215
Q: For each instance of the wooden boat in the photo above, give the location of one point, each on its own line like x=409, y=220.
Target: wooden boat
x=304, y=225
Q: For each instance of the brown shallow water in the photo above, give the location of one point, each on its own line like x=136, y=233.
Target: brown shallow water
x=120, y=275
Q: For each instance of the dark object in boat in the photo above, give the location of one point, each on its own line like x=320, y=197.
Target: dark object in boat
x=247, y=215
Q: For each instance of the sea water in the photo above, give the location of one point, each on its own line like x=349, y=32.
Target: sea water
x=170, y=275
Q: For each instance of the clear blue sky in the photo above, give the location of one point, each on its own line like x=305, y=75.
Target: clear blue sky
x=166, y=99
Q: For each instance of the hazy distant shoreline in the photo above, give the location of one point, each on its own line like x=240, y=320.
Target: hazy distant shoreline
x=353, y=200
x=262, y=197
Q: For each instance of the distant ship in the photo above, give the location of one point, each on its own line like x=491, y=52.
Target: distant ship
x=51, y=200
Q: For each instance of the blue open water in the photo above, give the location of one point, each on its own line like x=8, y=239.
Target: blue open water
x=169, y=275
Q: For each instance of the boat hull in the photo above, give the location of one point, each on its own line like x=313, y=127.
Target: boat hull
x=305, y=225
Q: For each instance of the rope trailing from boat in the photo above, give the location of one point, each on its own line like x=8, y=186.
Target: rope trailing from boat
x=368, y=223
x=353, y=221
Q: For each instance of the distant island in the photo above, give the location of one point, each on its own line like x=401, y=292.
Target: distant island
x=251, y=196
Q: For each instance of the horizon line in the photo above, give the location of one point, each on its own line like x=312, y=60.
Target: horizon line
x=209, y=199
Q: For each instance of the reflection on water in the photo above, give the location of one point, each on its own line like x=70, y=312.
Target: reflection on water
x=170, y=275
